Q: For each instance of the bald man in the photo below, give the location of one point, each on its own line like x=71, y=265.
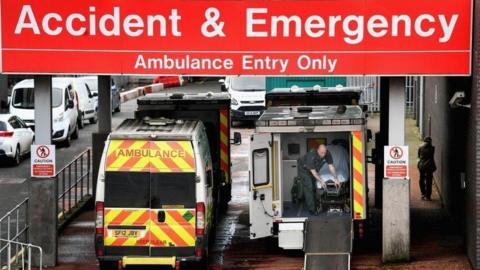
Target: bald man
x=308, y=169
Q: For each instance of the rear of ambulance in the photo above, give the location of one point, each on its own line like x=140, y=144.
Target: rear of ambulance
x=149, y=213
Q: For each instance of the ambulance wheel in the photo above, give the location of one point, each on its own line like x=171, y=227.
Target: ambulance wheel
x=107, y=265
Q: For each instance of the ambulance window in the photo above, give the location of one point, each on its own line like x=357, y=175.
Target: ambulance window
x=127, y=189
x=260, y=167
x=173, y=190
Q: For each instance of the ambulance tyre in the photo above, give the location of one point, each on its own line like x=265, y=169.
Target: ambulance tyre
x=107, y=265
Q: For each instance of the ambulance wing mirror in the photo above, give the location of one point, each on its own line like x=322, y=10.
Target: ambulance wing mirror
x=237, y=138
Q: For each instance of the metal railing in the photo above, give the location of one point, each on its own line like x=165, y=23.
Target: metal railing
x=13, y=236
x=74, y=186
x=22, y=259
x=411, y=95
x=371, y=91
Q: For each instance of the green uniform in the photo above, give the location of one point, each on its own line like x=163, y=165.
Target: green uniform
x=311, y=161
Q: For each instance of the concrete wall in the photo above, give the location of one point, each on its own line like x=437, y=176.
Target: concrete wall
x=456, y=135
x=448, y=128
x=473, y=165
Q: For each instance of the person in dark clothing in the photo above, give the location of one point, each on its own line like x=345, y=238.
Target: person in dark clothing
x=426, y=167
x=308, y=168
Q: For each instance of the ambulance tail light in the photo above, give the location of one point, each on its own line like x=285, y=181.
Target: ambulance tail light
x=200, y=218
x=99, y=209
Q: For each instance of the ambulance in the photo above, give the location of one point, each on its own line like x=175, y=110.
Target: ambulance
x=295, y=122
x=159, y=183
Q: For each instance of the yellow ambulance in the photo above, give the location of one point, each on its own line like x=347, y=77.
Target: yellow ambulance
x=154, y=200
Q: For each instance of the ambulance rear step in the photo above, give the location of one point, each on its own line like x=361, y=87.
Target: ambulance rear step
x=328, y=242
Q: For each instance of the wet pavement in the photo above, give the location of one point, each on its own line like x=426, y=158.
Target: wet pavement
x=435, y=240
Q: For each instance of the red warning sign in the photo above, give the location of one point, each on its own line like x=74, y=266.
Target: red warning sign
x=396, y=162
x=42, y=161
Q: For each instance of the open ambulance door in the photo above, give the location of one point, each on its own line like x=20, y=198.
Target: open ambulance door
x=260, y=175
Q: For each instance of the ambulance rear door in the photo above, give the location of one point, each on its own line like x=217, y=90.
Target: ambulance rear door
x=127, y=198
x=173, y=198
x=260, y=175
x=150, y=198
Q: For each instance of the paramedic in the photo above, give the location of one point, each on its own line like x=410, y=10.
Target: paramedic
x=309, y=167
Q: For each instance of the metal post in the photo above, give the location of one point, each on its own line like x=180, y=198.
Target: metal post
x=396, y=192
x=3, y=93
x=43, y=109
x=104, y=124
x=104, y=104
x=43, y=191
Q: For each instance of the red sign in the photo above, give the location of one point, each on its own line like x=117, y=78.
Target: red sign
x=40, y=170
x=396, y=162
x=42, y=160
x=285, y=37
x=396, y=171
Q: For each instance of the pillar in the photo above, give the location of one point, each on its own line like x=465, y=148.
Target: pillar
x=43, y=192
x=104, y=124
x=396, y=192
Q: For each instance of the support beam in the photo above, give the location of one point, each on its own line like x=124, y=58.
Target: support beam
x=3, y=93
x=396, y=114
x=43, y=109
x=381, y=139
x=104, y=124
x=396, y=192
x=104, y=104
x=43, y=192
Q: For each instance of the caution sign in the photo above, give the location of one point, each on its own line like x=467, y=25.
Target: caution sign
x=42, y=161
x=396, y=162
x=150, y=156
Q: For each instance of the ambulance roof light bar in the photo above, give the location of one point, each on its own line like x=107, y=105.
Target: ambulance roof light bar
x=309, y=122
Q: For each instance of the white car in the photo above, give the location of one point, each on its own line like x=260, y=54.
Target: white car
x=64, y=109
x=87, y=102
x=248, y=96
x=15, y=137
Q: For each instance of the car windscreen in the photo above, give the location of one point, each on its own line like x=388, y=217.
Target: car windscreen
x=248, y=83
x=172, y=190
x=23, y=98
x=3, y=126
x=127, y=189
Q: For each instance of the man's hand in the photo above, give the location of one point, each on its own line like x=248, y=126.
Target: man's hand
x=337, y=183
x=322, y=183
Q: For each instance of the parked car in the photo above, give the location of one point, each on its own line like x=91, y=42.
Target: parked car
x=64, y=108
x=92, y=82
x=15, y=137
x=248, y=96
x=87, y=102
x=169, y=81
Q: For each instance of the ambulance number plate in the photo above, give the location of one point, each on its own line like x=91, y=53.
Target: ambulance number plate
x=252, y=113
x=126, y=233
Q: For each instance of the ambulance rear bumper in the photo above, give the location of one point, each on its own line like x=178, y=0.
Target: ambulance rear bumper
x=125, y=261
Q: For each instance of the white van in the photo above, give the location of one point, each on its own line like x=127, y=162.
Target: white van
x=92, y=82
x=87, y=102
x=248, y=96
x=159, y=171
x=64, y=111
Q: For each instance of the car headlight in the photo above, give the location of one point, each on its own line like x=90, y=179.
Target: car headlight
x=234, y=101
x=59, y=118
